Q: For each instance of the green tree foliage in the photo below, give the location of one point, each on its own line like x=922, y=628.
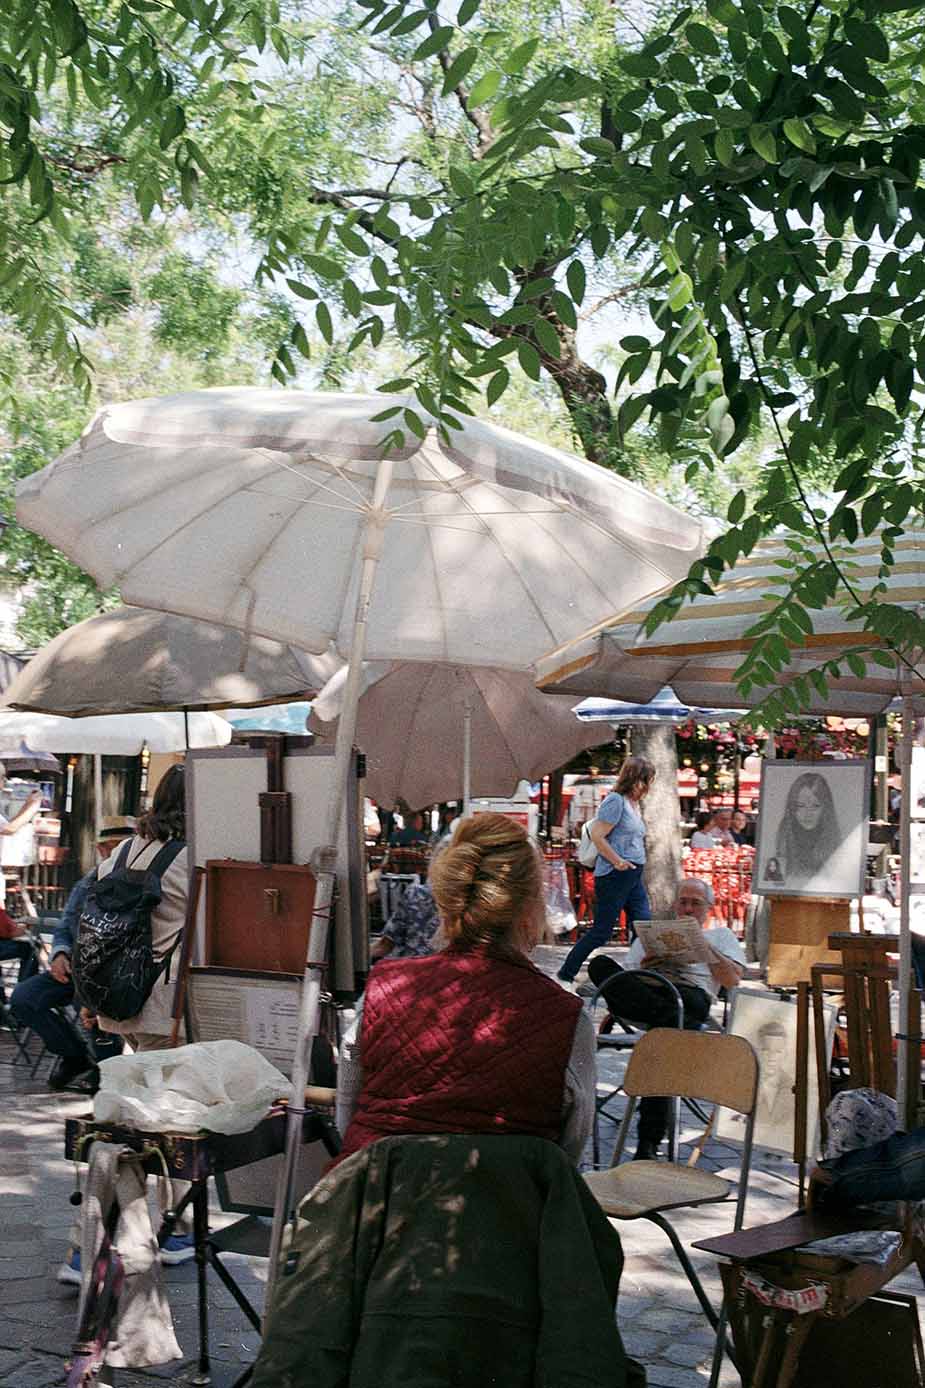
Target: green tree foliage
x=757, y=165
x=470, y=180
x=162, y=321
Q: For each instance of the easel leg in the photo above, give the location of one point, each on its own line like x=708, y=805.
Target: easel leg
x=797, y=1334
x=200, y=1236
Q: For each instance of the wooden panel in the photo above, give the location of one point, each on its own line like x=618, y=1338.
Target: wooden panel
x=799, y=937
x=258, y=915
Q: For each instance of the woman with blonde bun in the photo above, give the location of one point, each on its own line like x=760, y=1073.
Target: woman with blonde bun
x=474, y=1038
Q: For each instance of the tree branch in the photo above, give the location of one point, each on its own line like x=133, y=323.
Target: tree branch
x=476, y=118
x=582, y=387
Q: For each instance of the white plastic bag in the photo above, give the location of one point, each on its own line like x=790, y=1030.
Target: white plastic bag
x=560, y=913
x=221, y=1086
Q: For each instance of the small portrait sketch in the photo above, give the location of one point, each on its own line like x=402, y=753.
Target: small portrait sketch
x=812, y=829
x=769, y=1023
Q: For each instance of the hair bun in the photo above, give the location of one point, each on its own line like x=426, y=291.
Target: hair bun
x=488, y=882
x=458, y=866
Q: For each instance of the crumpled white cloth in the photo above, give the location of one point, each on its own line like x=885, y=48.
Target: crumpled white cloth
x=219, y=1086
x=143, y=1334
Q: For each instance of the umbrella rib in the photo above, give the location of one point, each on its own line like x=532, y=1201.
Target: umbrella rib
x=304, y=500
x=490, y=534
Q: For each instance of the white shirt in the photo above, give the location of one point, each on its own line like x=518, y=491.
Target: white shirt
x=722, y=939
x=701, y=839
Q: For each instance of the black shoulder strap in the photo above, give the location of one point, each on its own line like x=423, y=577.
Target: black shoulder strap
x=165, y=856
x=121, y=859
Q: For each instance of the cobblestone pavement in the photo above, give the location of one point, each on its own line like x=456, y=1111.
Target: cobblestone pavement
x=659, y=1318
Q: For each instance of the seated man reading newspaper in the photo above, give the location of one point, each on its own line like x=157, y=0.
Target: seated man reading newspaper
x=698, y=962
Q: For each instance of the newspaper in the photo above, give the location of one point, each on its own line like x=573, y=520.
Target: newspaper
x=681, y=941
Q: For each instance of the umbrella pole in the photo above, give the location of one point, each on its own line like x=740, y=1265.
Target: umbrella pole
x=98, y=793
x=374, y=530
x=903, y=1098
x=467, y=758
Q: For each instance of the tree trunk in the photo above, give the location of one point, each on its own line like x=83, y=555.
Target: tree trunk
x=662, y=812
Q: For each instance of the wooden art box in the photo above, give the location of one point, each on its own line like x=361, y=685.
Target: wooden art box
x=258, y=915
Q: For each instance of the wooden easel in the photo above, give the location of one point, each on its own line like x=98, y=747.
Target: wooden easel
x=861, y=968
x=769, y=1343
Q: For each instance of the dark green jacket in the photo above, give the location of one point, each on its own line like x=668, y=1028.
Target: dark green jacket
x=449, y=1262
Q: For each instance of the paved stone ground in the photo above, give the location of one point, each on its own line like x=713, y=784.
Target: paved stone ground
x=660, y=1320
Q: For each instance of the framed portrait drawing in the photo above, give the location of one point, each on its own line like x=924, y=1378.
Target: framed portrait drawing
x=769, y=1023
x=812, y=829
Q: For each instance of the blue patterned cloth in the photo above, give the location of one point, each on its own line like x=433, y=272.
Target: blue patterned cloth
x=412, y=924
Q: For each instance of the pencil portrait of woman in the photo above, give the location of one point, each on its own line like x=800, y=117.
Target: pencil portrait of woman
x=809, y=832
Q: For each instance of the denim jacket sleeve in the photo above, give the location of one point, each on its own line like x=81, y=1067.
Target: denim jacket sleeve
x=62, y=941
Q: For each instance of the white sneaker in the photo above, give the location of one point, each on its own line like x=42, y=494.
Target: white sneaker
x=568, y=984
x=69, y=1271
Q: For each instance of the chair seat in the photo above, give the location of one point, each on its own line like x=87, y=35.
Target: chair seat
x=618, y=1040
x=639, y=1187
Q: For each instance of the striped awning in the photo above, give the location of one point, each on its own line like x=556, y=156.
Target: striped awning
x=698, y=652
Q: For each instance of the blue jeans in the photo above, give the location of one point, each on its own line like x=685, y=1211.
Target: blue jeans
x=23, y=951
x=32, y=1003
x=613, y=892
x=890, y=1170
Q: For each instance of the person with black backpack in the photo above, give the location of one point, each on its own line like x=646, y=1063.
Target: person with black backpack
x=132, y=920
x=128, y=947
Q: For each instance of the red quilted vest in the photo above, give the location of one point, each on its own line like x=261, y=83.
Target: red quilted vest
x=462, y=1042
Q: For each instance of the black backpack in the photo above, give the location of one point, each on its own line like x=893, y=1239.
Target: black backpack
x=114, y=964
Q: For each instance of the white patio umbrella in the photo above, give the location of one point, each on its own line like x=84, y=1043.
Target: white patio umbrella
x=699, y=650
x=445, y=732
x=664, y=708
x=116, y=735
x=134, y=660
x=277, y=511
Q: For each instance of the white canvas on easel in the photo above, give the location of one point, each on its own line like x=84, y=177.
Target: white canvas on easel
x=223, y=818
x=769, y=1023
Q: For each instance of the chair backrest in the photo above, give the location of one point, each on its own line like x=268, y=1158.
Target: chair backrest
x=696, y=1065
x=407, y=860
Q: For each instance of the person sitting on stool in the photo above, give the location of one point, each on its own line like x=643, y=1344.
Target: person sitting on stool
x=35, y=999
x=643, y=1000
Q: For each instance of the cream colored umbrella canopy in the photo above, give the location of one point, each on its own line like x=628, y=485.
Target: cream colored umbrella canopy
x=247, y=507
x=700, y=649
x=442, y=732
x=134, y=660
x=116, y=734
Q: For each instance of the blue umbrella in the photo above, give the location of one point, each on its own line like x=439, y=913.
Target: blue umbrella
x=274, y=718
x=664, y=708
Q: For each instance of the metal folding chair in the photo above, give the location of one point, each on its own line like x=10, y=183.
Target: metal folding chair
x=677, y=1064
